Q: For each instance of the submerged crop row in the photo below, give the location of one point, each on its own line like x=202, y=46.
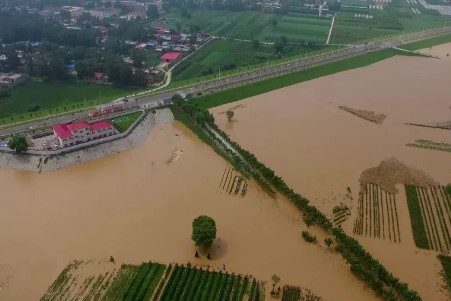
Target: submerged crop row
x=377, y=213
x=87, y=282
x=430, y=216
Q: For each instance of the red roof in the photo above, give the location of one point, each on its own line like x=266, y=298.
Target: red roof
x=101, y=125
x=98, y=75
x=171, y=56
x=65, y=130
x=78, y=125
x=62, y=130
x=158, y=28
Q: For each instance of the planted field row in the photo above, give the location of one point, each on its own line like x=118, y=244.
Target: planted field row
x=233, y=183
x=377, y=214
x=341, y=214
x=61, y=285
x=188, y=283
x=89, y=282
x=430, y=216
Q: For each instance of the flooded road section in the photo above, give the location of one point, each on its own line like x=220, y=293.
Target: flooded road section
x=321, y=150
x=139, y=206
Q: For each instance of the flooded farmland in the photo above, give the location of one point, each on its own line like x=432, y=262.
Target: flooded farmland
x=139, y=205
x=321, y=150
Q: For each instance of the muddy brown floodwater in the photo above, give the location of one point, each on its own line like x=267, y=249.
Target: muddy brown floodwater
x=321, y=150
x=139, y=206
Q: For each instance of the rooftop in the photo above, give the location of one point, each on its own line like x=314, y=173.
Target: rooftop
x=171, y=56
x=64, y=130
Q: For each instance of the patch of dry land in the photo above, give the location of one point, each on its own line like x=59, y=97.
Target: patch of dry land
x=441, y=51
x=321, y=151
x=139, y=206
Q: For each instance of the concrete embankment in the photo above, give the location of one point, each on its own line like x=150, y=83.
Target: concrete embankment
x=43, y=163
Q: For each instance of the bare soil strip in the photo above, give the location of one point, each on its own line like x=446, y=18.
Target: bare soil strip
x=367, y=115
x=391, y=172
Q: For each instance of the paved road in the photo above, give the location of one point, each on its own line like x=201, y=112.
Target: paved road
x=245, y=78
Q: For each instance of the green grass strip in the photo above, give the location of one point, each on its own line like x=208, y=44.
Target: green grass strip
x=416, y=218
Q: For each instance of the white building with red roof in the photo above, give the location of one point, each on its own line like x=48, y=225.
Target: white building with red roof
x=69, y=134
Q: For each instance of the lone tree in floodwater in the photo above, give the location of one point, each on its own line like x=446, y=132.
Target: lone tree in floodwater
x=204, y=231
x=18, y=143
x=230, y=114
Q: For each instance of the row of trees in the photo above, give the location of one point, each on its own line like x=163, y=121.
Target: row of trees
x=362, y=263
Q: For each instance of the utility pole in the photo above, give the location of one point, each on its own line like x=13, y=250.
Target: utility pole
x=219, y=71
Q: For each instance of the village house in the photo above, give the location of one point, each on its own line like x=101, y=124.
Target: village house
x=80, y=132
x=171, y=57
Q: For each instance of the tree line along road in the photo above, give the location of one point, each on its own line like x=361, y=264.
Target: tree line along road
x=232, y=81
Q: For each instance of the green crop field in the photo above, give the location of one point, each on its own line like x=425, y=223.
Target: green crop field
x=187, y=283
x=430, y=212
x=149, y=281
x=297, y=28
x=228, y=54
x=241, y=25
x=250, y=25
x=396, y=18
x=37, y=99
x=348, y=29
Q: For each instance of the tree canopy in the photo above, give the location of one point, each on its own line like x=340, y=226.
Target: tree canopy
x=204, y=231
x=18, y=143
x=230, y=114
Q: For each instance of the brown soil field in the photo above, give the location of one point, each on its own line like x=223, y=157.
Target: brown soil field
x=321, y=151
x=139, y=206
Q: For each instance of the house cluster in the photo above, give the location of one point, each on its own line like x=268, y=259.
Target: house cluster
x=166, y=40
x=69, y=134
x=10, y=80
